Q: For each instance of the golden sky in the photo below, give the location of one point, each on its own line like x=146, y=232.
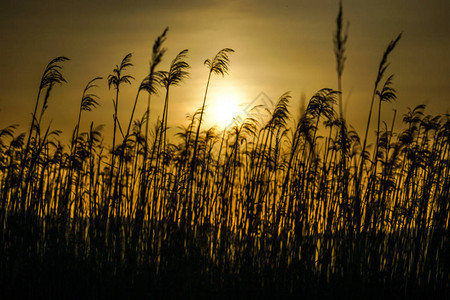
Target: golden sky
x=280, y=46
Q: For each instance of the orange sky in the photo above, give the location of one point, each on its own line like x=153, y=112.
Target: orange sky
x=280, y=46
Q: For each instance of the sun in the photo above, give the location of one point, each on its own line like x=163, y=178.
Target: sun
x=224, y=108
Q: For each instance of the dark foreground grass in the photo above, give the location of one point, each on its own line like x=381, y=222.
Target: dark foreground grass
x=183, y=268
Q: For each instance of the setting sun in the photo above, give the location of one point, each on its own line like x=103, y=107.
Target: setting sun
x=224, y=108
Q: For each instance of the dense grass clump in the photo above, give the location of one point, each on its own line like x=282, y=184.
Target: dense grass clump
x=269, y=206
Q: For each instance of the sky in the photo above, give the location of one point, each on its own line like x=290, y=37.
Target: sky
x=279, y=46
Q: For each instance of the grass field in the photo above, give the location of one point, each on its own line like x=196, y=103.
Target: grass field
x=270, y=206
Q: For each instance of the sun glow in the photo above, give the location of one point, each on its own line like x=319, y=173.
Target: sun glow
x=225, y=108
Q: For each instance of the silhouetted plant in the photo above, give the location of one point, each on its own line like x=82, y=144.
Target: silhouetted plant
x=271, y=205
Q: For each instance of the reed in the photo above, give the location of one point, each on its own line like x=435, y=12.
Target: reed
x=273, y=205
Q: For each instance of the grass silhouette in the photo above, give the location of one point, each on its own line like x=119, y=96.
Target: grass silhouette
x=260, y=208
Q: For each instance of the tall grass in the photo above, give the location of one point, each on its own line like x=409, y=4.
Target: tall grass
x=262, y=207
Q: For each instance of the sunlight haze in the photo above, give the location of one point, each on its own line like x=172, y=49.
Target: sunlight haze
x=280, y=46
